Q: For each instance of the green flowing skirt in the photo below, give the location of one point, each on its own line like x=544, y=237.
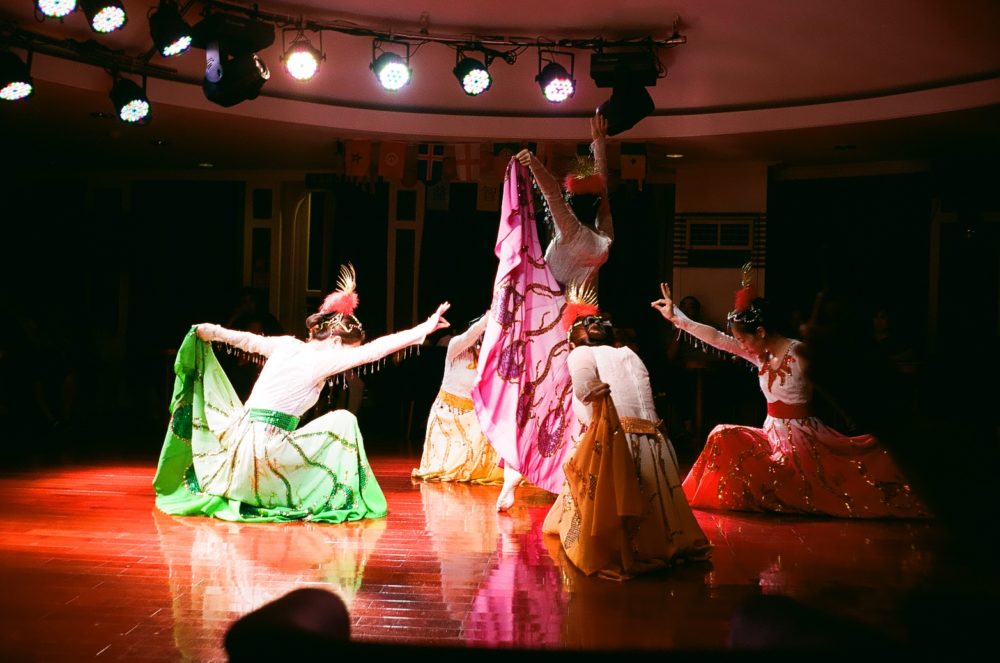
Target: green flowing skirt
x=218, y=461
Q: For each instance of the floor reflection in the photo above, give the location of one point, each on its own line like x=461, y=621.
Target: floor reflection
x=521, y=601
x=89, y=569
x=461, y=523
x=861, y=570
x=219, y=571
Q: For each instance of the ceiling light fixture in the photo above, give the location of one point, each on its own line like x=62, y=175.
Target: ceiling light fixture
x=104, y=15
x=472, y=75
x=171, y=34
x=131, y=103
x=392, y=70
x=15, y=77
x=301, y=58
x=56, y=8
x=557, y=84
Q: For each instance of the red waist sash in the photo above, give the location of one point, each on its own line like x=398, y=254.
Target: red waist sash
x=780, y=410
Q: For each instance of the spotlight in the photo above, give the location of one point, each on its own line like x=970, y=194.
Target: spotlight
x=628, y=104
x=473, y=76
x=15, y=77
x=56, y=8
x=171, y=35
x=104, y=15
x=238, y=79
x=556, y=83
x=233, y=70
x=301, y=58
x=391, y=69
x=131, y=104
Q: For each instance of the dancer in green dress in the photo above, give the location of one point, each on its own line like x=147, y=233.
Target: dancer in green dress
x=252, y=462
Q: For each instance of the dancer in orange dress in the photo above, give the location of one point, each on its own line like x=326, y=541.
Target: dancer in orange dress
x=794, y=463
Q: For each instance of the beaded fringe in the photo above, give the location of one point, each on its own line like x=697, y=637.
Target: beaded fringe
x=712, y=350
x=340, y=379
x=549, y=221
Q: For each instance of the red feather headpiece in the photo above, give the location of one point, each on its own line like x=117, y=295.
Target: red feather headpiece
x=584, y=178
x=343, y=300
x=747, y=293
x=592, y=184
x=581, y=301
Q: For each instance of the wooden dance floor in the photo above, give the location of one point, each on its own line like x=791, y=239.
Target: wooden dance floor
x=90, y=570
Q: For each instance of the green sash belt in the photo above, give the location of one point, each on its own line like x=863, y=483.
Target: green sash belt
x=282, y=420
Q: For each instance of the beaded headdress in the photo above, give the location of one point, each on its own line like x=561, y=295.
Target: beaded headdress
x=342, y=302
x=581, y=303
x=744, y=311
x=583, y=178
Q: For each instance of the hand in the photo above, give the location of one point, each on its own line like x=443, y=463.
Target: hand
x=436, y=322
x=598, y=126
x=597, y=390
x=524, y=157
x=665, y=305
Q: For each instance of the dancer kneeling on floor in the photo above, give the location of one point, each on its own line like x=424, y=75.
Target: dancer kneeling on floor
x=794, y=463
x=252, y=462
x=622, y=510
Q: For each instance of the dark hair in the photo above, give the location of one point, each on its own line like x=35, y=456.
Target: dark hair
x=758, y=315
x=584, y=206
x=322, y=326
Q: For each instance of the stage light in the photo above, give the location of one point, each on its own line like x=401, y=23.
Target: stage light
x=131, y=104
x=238, y=79
x=556, y=83
x=473, y=76
x=628, y=72
x=301, y=58
x=104, y=15
x=56, y=8
x=171, y=35
x=15, y=77
x=392, y=70
x=629, y=103
x=233, y=71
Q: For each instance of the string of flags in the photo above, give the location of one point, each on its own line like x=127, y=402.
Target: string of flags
x=483, y=163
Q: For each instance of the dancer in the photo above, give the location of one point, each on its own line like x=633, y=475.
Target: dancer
x=622, y=510
x=523, y=393
x=795, y=463
x=575, y=254
x=252, y=462
x=455, y=448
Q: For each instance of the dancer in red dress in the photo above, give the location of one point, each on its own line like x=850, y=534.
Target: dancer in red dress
x=794, y=463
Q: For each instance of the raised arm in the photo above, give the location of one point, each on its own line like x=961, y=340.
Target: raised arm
x=468, y=338
x=599, y=133
x=342, y=358
x=246, y=341
x=706, y=333
x=565, y=223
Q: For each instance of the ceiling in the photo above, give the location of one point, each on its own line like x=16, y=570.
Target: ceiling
x=780, y=81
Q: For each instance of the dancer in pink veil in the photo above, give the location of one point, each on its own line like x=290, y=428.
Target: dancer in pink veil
x=524, y=394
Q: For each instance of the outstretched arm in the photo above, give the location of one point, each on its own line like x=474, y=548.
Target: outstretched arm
x=342, y=358
x=710, y=335
x=246, y=341
x=565, y=222
x=468, y=338
x=599, y=133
